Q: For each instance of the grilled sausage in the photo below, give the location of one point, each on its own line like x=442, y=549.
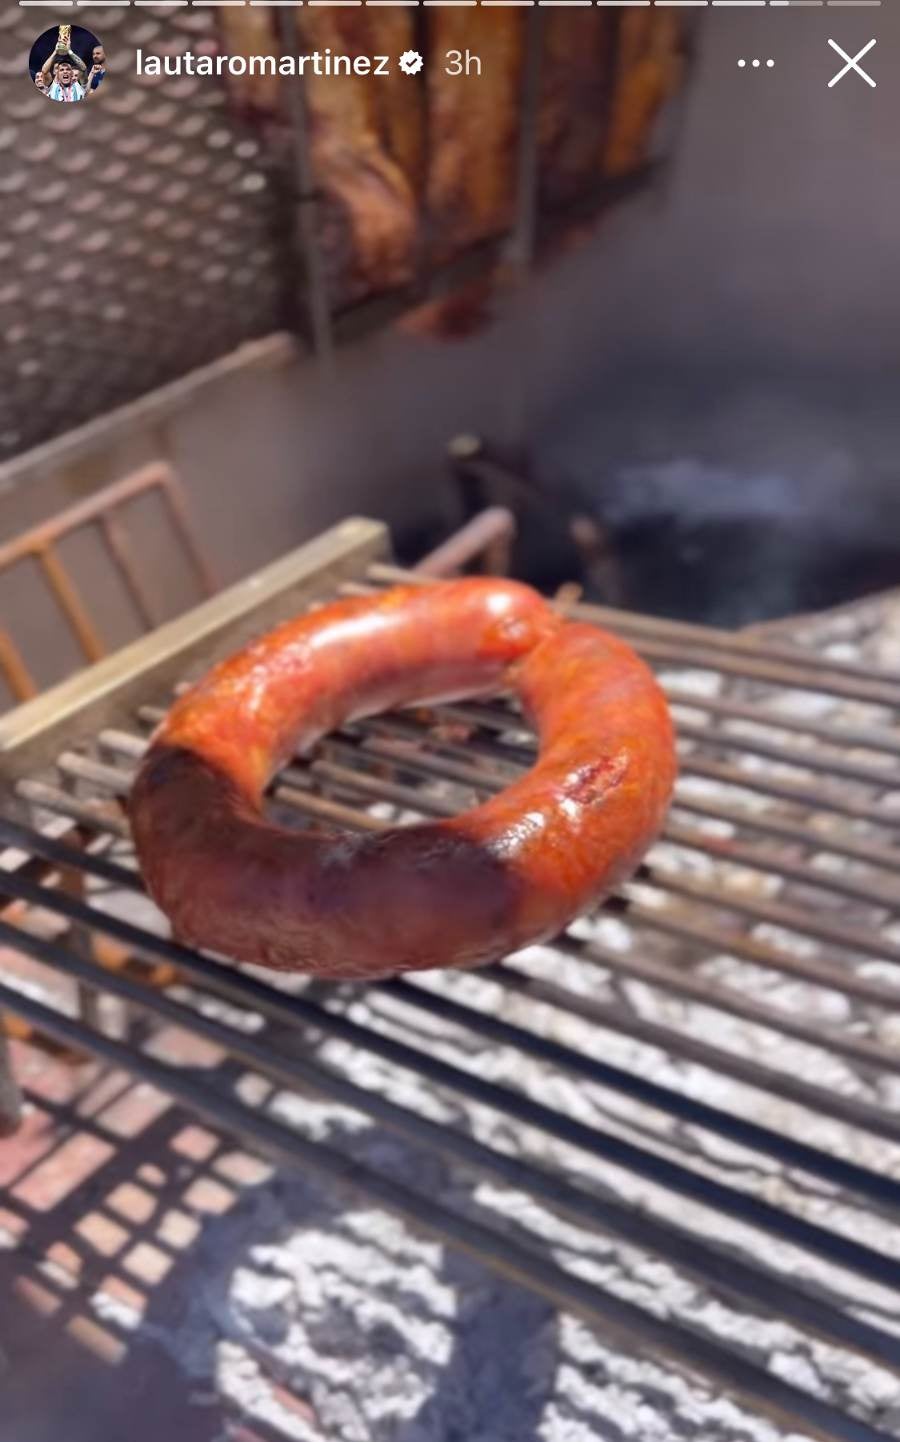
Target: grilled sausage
x=458, y=892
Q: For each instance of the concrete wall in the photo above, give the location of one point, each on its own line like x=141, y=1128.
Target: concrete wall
x=779, y=239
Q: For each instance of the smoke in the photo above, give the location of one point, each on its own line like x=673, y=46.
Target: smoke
x=731, y=499
x=692, y=490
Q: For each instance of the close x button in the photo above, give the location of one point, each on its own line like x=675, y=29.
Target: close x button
x=852, y=64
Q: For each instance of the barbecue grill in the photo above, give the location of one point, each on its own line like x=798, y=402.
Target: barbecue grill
x=730, y=1014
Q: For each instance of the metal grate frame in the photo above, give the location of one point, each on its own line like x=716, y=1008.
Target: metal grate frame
x=141, y=231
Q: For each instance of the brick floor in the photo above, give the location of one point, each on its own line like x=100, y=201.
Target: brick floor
x=243, y=1168
x=208, y=1195
x=196, y=1142
x=133, y=1202
x=58, y=989
x=62, y=1171
x=147, y=1263
x=33, y=1139
x=106, y=1186
x=177, y=1229
x=136, y=1109
x=102, y=1233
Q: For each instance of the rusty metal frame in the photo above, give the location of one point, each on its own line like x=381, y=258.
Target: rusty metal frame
x=98, y=696
x=31, y=735
x=487, y=537
x=305, y=206
x=101, y=510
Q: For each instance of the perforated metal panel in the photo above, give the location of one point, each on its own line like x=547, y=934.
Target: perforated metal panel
x=139, y=232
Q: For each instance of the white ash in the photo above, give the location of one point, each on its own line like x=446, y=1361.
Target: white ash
x=802, y=705
x=391, y=1336
x=113, y=1310
x=699, y=683
x=700, y=788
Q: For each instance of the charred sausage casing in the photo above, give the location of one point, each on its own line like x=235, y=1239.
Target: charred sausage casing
x=450, y=893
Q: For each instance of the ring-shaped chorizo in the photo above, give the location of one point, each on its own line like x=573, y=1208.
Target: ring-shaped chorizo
x=456, y=892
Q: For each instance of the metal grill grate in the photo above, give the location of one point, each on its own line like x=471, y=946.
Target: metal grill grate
x=139, y=235
x=705, y=1072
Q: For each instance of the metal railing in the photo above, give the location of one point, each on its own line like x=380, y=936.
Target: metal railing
x=104, y=512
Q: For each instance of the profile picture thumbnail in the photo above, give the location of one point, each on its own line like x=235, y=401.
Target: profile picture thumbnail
x=67, y=63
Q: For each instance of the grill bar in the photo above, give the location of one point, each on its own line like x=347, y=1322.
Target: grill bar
x=840, y=1250
x=884, y=857
x=710, y=938
x=616, y=1319
x=686, y=1108
x=384, y=573
x=515, y=760
x=748, y=948
x=756, y=1074
x=859, y=1050
x=855, y=939
x=803, y=674
x=825, y=799
x=126, y=744
x=731, y=653
x=725, y=1272
x=820, y=972
x=866, y=738
x=98, y=815
x=774, y=826
x=830, y=763
x=725, y=849
x=807, y=759
x=518, y=754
